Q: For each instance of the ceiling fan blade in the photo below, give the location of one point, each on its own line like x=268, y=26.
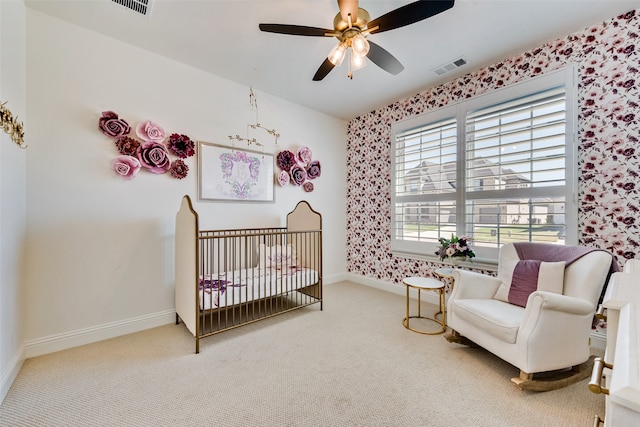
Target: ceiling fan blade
x=324, y=69
x=348, y=7
x=296, y=30
x=383, y=59
x=409, y=14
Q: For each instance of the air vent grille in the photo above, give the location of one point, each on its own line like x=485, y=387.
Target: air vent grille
x=449, y=66
x=143, y=7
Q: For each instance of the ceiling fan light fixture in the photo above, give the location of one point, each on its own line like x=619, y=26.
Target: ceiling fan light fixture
x=359, y=45
x=336, y=56
x=357, y=61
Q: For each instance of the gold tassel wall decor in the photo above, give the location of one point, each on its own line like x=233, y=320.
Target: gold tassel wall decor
x=12, y=126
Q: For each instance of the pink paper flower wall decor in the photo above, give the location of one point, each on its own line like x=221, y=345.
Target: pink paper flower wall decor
x=297, y=169
x=181, y=146
x=154, y=156
x=303, y=156
x=112, y=126
x=127, y=146
x=178, y=169
x=285, y=159
x=126, y=166
x=298, y=175
x=313, y=170
x=308, y=186
x=148, y=151
x=149, y=131
x=283, y=178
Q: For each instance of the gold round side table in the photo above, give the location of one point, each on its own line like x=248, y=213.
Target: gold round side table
x=425, y=284
x=445, y=273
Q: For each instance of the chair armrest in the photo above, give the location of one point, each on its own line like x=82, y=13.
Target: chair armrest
x=554, y=332
x=472, y=285
x=546, y=310
x=540, y=300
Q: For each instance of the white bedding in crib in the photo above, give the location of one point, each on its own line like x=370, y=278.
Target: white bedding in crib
x=240, y=286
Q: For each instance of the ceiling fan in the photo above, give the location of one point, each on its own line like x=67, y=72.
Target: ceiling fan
x=353, y=24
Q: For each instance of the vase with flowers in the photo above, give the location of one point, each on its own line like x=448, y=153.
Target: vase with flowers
x=456, y=249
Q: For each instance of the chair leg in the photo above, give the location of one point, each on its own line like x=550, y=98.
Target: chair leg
x=456, y=338
x=525, y=376
x=555, y=379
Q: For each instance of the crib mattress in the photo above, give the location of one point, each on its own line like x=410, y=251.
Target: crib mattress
x=240, y=286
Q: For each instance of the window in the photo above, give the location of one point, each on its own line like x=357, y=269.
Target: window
x=498, y=168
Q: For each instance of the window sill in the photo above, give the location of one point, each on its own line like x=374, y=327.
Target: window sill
x=477, y=263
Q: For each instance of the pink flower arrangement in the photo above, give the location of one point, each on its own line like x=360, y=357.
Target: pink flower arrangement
x=298, y=168
x=151, y=154
x=455, y=247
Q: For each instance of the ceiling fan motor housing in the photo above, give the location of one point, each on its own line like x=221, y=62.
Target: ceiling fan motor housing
x=361, y=22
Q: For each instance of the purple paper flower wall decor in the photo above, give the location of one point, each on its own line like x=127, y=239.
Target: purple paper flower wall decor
x=298, y=169
x=149, y=151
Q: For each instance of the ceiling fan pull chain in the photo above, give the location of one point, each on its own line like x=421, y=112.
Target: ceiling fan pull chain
x=349, y=73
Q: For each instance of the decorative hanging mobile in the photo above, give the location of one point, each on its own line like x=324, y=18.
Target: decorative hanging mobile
x=12, y=126
x=253, y=104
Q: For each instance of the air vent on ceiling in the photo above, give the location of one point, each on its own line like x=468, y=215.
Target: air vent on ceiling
x=143, y=7
x=450, y=66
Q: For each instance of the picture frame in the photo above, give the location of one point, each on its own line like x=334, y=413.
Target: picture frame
x=231, y=174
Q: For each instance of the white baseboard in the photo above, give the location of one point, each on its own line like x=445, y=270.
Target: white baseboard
x=53, y=343
x=11, y=373
x=334, y=278
x=84, y=336
x=430, y=297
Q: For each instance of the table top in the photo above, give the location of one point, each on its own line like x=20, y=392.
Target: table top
x=446, y=272
x=423, y=282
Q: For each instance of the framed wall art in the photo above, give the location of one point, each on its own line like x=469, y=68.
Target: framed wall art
x=230, y=174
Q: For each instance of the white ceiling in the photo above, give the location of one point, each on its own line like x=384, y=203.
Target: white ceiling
x=222, y=37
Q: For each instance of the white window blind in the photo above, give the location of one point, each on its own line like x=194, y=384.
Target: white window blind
x=498, y=168
x=425, y=180
x=515, y=170
x=526, y=138
x=425, y=159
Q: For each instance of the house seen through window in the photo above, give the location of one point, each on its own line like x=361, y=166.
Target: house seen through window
x=498, y=168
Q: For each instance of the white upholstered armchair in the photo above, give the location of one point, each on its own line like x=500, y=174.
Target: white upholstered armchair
x=537, y=313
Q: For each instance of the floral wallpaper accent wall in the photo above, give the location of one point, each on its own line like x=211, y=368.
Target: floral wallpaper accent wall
x=609, y=127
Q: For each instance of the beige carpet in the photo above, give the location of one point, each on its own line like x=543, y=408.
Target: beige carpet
x=352, y=364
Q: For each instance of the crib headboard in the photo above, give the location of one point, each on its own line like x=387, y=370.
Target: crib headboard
x=186, y=267
x=309, y=247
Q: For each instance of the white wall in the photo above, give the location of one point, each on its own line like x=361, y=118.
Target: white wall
x=12, y=192
x=99, y=248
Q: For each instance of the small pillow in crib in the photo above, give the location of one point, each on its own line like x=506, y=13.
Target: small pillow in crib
x=278, y=257
x=529, y=276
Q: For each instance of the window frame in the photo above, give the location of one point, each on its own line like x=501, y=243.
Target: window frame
x=567, y=77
